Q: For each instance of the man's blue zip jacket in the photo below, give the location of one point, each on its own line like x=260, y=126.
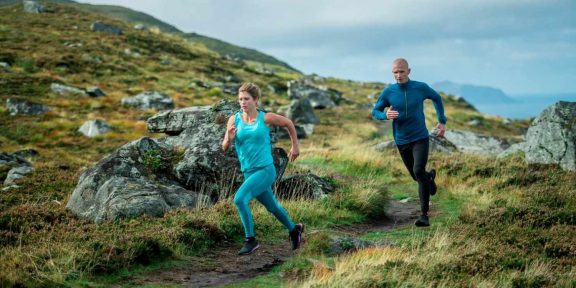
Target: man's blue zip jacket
x=408, y=99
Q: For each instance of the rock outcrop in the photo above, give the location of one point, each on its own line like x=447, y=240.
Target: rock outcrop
x=134, y=180
x=551, y=138
x=474, y=143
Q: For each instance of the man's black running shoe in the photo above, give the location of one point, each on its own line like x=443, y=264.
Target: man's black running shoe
x=296, y=235
x=422, y=221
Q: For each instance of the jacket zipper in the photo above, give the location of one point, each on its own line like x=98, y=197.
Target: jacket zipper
x=406, y=102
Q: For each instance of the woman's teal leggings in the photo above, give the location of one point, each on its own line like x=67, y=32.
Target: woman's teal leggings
x=258, y=184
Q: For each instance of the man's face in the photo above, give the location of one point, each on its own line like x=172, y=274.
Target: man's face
x=401, y=72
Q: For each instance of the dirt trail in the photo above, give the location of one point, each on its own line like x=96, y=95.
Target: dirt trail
x=224, y=266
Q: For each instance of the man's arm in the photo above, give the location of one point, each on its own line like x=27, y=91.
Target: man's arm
x=437, y=101
x=378, y=111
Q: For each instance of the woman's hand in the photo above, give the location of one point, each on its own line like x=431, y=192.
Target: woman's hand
x=294, y=152
x=279, y=120
x=230, y=134
x=231, y=131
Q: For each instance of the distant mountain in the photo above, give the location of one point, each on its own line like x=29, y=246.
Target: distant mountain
x=476, y=95
x=126, y=14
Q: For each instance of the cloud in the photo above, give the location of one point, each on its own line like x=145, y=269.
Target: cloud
x=514, y=45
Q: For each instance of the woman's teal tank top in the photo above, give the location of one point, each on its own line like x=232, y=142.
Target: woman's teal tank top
x=252, y=143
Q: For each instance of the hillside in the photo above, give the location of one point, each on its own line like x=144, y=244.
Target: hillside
x=234, y=51
x=495, y=222
x=136, y=17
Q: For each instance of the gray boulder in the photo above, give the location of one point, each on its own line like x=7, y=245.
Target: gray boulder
x=122, y=197
x=106, y=28
x=303, y=186
x=93, y=128
x=17, y=173
x=551, y=138
x=63, y=90
x=473, y=143
x=149, y=100
x=319, y=98
x=301, y=112
x=24, y=107
x=173, y=122
x=95, y=92
x=136, y=179
x=33, y=7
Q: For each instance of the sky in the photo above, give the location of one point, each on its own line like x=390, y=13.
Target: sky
x=521, y=47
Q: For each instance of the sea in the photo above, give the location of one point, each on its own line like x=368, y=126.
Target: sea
x=525, y=106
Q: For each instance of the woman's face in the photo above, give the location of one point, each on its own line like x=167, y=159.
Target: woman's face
x=247, y=102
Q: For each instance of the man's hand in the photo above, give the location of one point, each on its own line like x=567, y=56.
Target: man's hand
x=391, y=113
x=441, y=129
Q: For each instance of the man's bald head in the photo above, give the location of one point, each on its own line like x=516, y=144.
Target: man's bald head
x=400, y=61
x=400, y=70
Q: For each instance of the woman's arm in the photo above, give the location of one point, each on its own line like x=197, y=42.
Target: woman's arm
x=272, y=119
x=230, y=134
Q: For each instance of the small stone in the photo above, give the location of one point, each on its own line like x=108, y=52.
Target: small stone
x=95, y=92
x=17, y=173
x=94, y=128
x=106, y=28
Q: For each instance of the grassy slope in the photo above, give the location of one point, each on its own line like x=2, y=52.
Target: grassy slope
x=496, y=201
x=132, y=16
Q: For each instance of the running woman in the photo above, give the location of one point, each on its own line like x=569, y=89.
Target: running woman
x=250, y=133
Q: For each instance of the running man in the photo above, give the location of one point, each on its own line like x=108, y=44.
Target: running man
x=405, y=103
